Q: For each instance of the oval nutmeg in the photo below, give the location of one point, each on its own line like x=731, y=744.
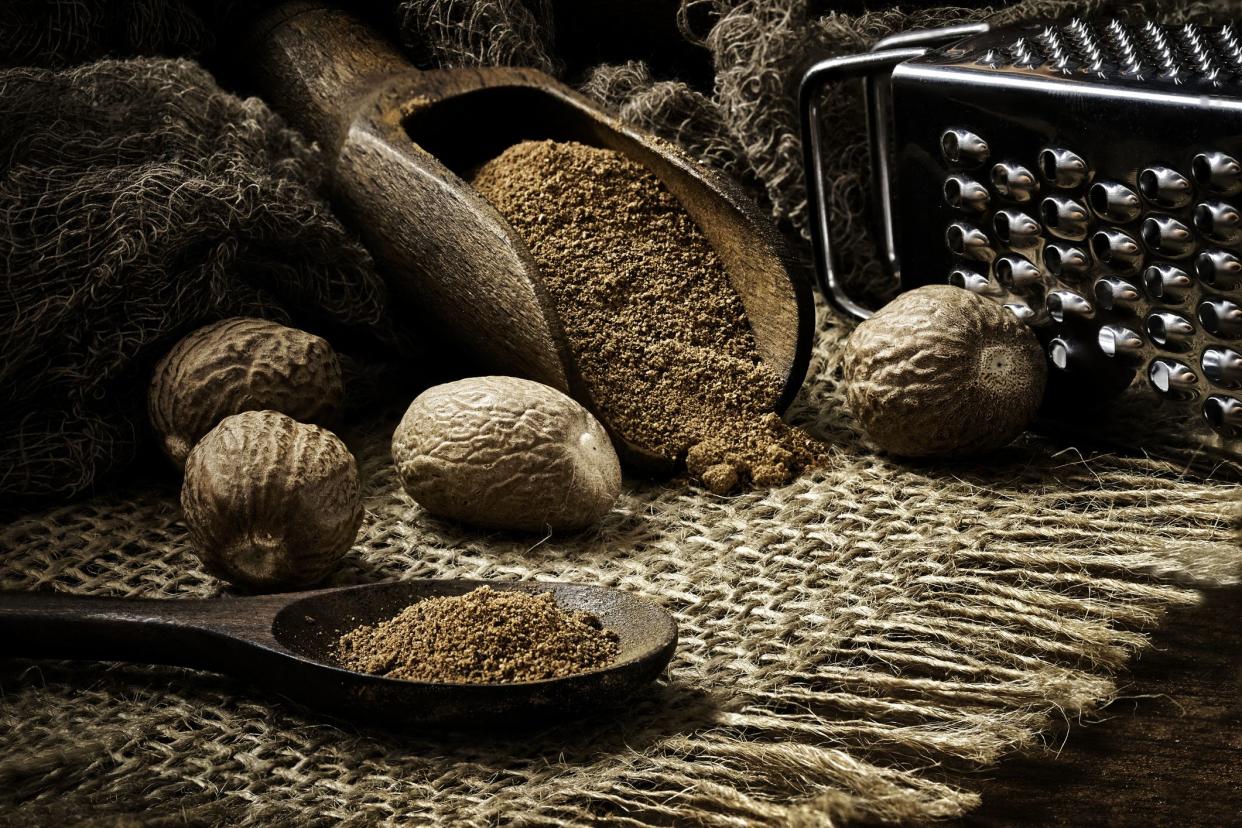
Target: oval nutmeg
x=271, y=503
x=940, y=371
x=241, y=364
x=506, y=453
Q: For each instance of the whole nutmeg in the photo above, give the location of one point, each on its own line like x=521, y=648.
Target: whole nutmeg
x=506, y=453
x=271, y=503
x=237, y=365
x=941, y=371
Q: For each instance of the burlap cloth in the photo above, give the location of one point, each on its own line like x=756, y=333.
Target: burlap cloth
x=853, y=645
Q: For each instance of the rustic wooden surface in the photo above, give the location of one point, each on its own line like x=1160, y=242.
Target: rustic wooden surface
x=1169, y=751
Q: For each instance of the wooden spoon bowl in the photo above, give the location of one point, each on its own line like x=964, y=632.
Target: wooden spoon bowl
x=402, y=142
x=287, y=644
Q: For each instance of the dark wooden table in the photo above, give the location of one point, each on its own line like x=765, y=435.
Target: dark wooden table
x=1168, y=752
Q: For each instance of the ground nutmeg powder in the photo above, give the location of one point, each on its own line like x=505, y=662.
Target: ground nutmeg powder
x=486, y=636
x=658, y=331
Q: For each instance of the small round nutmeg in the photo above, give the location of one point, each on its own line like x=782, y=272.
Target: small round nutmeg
x=271, y=503
x=942, y=371
x=236, y=365
x=506, y=453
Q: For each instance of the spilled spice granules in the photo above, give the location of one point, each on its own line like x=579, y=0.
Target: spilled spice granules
x=658, y=331
x=485, y=636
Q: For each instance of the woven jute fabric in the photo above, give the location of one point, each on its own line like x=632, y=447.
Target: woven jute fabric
x=852, y=646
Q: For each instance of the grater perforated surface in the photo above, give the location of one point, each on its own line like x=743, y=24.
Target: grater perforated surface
x=1107, y=219
x=1116, y=49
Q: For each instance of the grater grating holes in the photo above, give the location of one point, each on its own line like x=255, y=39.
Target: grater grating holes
x=1223, y=367
x=1116, y=48
x=1124, y=48
x=1173, y=379
x=1026, y=263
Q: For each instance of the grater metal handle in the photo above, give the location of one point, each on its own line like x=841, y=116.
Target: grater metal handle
x=813, y=82
x=870, y=66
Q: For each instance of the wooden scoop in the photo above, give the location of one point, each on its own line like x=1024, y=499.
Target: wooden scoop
x=286, y=643
x=400, y=142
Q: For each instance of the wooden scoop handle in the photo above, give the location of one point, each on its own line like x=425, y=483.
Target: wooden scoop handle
x=317, y=64
x=464, y=276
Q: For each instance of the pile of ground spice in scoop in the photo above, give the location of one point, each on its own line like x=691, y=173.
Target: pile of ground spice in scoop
x=658, y=331
x=483, y=637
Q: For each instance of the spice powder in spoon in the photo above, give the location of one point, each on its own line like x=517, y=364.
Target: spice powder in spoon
x=658, y=332
x=485, y=636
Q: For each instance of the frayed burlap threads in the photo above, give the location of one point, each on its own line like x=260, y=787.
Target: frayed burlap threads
x=59, y=33
x=457, y=33
x=851, y=645
x=671, y=109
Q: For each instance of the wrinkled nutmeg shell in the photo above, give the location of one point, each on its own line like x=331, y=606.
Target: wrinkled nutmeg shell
x=236, y=365
x=940, y=371
x=506, y=453
x=271, y=503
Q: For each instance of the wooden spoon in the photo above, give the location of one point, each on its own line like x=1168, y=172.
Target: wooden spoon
x=286, y=643
x=400, y=142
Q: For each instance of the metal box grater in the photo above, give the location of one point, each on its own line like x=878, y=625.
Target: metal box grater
x=1084, y=173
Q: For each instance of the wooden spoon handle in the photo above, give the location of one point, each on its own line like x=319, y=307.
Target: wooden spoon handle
x=203, y=634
